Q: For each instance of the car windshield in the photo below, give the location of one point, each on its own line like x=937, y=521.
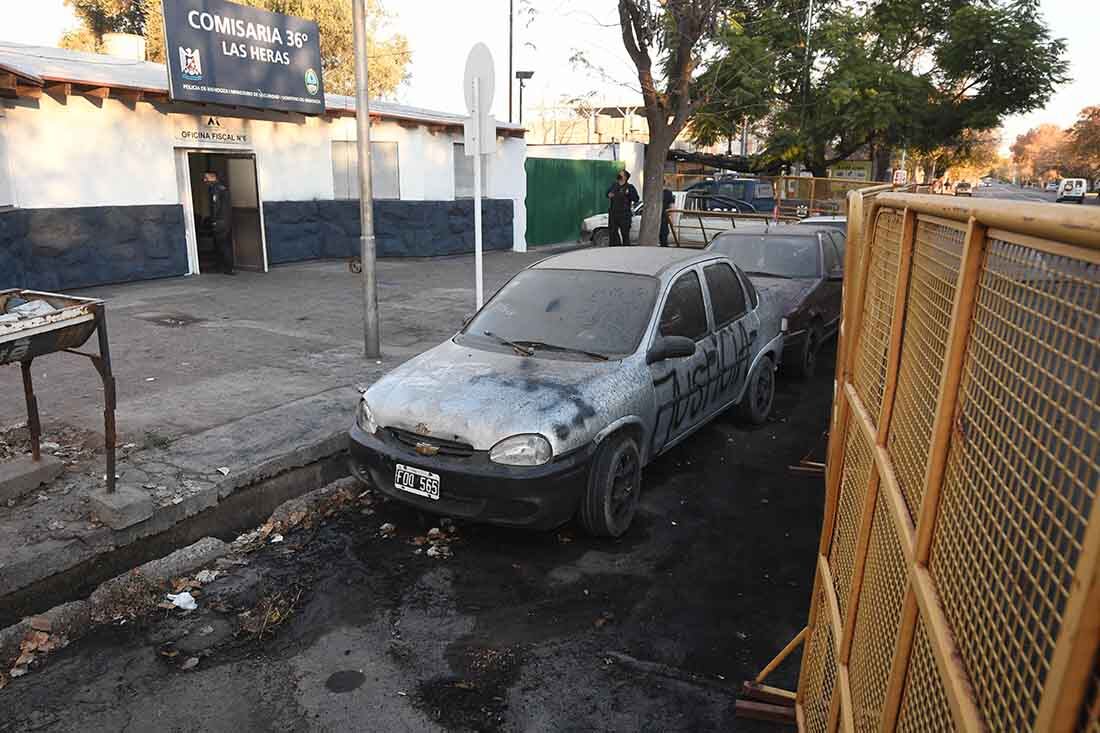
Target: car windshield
x=771, y=254
x=602, y=313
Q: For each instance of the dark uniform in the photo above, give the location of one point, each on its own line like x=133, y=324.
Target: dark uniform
x=622, y=197
x=667, y=200
x=221, y=224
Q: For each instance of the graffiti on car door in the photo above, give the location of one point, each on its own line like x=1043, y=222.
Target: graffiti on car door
x=689, y=390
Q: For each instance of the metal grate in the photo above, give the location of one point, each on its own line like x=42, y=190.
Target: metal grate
x=877, y=620
x=936, y=255
x=878, y=312
x=821, y=671
x=924, y=707
x=853, y=487
x=445, y=447
x=1022, y=473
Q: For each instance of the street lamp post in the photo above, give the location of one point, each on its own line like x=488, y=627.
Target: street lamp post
x=522, y=76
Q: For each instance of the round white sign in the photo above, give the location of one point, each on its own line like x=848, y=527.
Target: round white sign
x=479, y=65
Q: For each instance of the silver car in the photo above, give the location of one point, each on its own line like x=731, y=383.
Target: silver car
x=580, y=371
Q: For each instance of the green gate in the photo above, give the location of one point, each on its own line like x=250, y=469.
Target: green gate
x=560, y=193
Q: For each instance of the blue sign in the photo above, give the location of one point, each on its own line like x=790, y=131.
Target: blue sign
x=223, y=53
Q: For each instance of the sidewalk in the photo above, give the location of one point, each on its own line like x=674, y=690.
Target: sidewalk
x=253, y=374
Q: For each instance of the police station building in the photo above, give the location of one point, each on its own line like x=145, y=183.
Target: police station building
x=102, y=164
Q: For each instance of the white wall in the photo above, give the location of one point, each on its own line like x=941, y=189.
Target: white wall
x=579, y=151
x=7, y=194
x=426, y=162
x=508, y=180
x=78, y=153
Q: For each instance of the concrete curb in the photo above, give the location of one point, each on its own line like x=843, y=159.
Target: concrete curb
x=137, y=590
x=71, y=621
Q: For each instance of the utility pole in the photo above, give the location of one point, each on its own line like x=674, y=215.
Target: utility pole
x=511, y=17
x=372, y=347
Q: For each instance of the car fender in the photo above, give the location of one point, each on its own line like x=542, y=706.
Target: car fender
x=616, y=425
x=774, y=349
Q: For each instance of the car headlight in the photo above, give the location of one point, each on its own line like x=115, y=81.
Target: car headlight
x=522, y=450
x=364, y=418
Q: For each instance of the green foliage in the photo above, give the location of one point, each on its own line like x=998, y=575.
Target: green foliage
x=388, y=55
x=921, y=74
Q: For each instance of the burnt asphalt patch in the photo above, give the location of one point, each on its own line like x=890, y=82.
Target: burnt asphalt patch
x=516, y=631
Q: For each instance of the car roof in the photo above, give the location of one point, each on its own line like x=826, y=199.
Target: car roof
x=639, y=260
x=781, y=230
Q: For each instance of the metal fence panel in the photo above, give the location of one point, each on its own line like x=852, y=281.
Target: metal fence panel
x=560, y=193
x=959, y=570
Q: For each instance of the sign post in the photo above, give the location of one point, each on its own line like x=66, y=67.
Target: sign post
x=480, y=137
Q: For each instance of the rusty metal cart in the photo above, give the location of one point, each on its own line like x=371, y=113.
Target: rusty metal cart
x=69, y=325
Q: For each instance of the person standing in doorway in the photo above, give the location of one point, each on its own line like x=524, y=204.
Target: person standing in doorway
x=221, y=220
x=622, y=196
x=667, y=200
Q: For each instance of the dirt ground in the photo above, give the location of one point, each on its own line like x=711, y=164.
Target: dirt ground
x=348, y=627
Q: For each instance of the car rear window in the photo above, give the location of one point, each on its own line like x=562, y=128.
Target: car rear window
x=601, y=312
x=726, y=295
x=771, y=255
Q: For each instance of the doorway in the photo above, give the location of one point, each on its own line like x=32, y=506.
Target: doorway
x=238, y=172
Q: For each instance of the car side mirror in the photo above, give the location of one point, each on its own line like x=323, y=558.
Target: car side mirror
x=837, y=273
x=670, y=347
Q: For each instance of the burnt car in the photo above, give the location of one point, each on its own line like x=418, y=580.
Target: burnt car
x=802, y=269
x=581, y=370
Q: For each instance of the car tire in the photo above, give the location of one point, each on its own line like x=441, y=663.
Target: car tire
x=756, y=404
x=806, y=366
x=601, y=237
x=614, y=483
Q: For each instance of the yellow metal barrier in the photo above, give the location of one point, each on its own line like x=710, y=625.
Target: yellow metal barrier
x=958, y=575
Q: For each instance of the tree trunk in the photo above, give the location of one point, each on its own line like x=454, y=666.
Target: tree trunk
x=653, y=187
x=881, y=163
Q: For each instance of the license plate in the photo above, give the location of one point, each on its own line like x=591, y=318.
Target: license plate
x=417, y=481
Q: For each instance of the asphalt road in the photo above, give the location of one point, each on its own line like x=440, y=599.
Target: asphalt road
x=517, y=631
x=1016, y=193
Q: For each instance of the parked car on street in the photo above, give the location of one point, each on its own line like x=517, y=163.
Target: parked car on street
x=751, y=195
x=839, y=223
x=802, y=270
x=703, y=217
x=581, y=370
x=1072, y=189
x=963, y=188
x=594, y=228
x=1052, y=186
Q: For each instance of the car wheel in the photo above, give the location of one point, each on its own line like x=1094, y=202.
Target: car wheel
x=614, y=484
x=601, y=237
x=807, y=360
x=756, y=405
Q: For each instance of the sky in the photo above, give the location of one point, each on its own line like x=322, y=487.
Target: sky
x=549, y=33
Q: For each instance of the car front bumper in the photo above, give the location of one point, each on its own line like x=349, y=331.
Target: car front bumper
x=473, y=487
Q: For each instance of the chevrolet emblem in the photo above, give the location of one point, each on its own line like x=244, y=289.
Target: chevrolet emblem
x=427, y=449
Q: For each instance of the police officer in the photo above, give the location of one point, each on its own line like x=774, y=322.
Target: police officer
x=622, y=197
x=220, y=220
